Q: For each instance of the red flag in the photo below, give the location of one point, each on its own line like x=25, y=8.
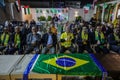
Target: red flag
x=25, y=6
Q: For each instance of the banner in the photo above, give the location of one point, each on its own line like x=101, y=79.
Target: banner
x=37, y=11
x=67, y=64
x=26, y=10
x=19, y=4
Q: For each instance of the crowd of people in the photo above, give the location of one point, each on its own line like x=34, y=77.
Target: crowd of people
x=72, y=37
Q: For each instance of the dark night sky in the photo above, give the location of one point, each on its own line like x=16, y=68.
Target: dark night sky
x=26, y=2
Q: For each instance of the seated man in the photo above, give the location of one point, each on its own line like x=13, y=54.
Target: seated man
x=114, y=40
x=67, y=40
x=83, y=41
x=16, y=42
x=49, y=41
x=4, y=40
x=33, y=41
x=100, y=41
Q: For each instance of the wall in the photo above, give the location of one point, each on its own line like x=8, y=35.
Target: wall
x=5, y=14
x=86, y=17
x=43, y=13
x=70, y=14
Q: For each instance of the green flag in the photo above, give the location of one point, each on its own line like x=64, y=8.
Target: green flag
x=28, y=10
x=37, y=11
x=67, y=64
x=105, y=5
x=40, y=11
x=47, y=11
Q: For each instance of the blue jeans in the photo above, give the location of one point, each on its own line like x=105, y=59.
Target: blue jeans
x=115, y=48
x=50, y=50
x=103, y=49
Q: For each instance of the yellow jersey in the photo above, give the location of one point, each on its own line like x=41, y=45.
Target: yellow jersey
x=68, y=37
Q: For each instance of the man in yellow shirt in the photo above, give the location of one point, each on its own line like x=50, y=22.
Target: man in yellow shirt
x=83, y=41
x=4, y=39
x=53, y=29
x=116, y=21
x=67, y=40
x=16, y=42
x=114, y=41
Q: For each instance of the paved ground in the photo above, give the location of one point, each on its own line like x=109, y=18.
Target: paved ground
x=111, y=62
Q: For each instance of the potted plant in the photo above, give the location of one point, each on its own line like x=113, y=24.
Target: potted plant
x=42, y=18
x=79, y=18
x=49, y=18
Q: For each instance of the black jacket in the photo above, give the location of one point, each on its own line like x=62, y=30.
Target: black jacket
x=29, y=39
x=111, y=40
x=45, y=39
x=79, y=40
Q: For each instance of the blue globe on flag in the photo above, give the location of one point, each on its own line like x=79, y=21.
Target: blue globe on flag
x=65, y=62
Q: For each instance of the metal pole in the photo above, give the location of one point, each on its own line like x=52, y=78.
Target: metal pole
x=11, y=9
x=103, y=12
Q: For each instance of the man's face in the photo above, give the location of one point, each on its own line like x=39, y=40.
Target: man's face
x=6, y=30
x=85, y=30
x=49, y=30
x=116, y=31
x=98, y=28
x=17, y=29
x=55, y=15
x=81, y=24
x=34, y=30
x=94, y=16
x=119, y=17
x=67, y=30
x=52, y=25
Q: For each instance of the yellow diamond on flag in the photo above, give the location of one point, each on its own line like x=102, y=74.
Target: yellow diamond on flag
x=66, y=62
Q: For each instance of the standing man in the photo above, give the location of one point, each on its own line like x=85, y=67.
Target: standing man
x=93, y=20
x=55, y=18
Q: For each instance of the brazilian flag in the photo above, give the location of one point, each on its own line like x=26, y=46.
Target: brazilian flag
x=67, y=64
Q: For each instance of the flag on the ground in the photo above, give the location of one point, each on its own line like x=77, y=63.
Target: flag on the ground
x=67, y=64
